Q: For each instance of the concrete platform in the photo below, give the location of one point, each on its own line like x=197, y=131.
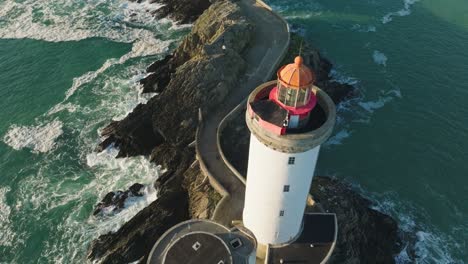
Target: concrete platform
x=313, y=246
x=202, y=241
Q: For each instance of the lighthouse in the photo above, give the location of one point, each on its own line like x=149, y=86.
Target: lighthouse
x=289, y=118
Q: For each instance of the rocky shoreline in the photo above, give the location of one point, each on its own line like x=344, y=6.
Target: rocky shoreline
x=198, y=76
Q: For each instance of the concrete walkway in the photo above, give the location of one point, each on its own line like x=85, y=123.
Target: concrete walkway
x=270, y=43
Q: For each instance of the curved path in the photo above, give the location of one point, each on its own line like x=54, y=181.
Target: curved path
x=269, y=45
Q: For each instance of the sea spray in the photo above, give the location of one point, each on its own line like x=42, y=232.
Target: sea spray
x=39, y=138
x=379, y=58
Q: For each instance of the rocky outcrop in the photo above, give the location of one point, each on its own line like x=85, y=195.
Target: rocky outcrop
x=193, y=78
x=182, y=195
x=182, y=11
x=202, y=197
x=134, y=240
x=364, y=235
x=113, y=202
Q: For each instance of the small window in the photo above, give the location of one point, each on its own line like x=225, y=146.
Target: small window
x=286, y=188
x=196, y=246
x=236, y=243
x=291, y=160
x=282, y=213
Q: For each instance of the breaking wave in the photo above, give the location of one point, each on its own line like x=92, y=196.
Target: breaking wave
x=40, y=138
x=65, y=184
x=422, y=243
x=150, y=46
x=7, y=235
x=386, y=97
x=70, y=20
x=405, y=11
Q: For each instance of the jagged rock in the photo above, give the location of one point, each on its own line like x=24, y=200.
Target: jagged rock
x=199, y=83
x=134, y=135
x=115, y=201
x=183, y=11
x=160, y=75
x=364, y=235
x=202, y=197
x=198, y=79
x=320, y=65
x=222, y=24
x=134, y=240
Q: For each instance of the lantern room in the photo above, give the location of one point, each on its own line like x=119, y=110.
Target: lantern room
x=295, y=82
x=285, y=105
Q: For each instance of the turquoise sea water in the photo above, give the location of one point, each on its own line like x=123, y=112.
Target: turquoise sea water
x=68, y=68
x=405, y=140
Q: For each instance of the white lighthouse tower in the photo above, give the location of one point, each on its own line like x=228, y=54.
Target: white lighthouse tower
x=289, y=119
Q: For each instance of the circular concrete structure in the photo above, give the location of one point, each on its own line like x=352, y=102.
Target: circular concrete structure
x=198, y=247
x=202, y=241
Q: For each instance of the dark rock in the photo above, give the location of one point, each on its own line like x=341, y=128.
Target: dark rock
x=116, y=200
x=320, y=65
x=199, y=81
x=364, y=235
x=160, y=75
x=183, y=11
x=134, y=135
x=338, y=92
x=136, y=189
x=134, y=240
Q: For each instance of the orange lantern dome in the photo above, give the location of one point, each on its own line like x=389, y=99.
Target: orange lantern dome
x=296, y=75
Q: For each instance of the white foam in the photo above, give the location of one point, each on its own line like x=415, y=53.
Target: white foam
x=405, y=11
x=379, y=58
x=71, y=108
x=430, y=245
x=63, y=20
x=141, y=48
x=40, y=138
x=120, y=171
x=79, y=228
x=340, y=77
x=338, y=138
x=371, y=106
x=112, y=91
x=360, y=28
x=6, y=233
x=304, y=16
x=432, y=248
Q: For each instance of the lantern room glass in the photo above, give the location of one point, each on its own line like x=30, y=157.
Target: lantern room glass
x=303, y=96
x=292, y=96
